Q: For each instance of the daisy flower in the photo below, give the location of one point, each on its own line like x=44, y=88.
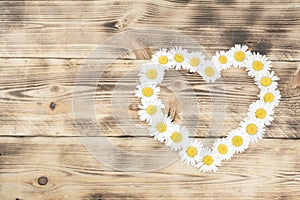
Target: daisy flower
x=261, y=111
x=271, y=96
x=254, y=128
x=179, y=58
x=208, y=161
x=162, y=128
x=150, y=110
x=238, y=55
x=267, y=80
x=151, y=73
x=179, y=138
x=223, y=148
x=190, y=153
x=147, y=91
x=239, y=140
x=209, y=71
x=162, y=57
x=221, y=60
x=195, y=60
x=257, y=64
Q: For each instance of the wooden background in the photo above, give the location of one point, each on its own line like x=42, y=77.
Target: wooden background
x=42, y=47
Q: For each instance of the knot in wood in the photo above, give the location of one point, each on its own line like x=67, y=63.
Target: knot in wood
x=52, y=105
x=42, y=180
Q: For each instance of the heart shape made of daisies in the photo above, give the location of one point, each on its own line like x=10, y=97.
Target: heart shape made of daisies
x=191, y=151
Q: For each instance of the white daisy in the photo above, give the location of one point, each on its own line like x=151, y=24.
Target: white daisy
x=238, y=55
x=179, y=58
x=254, y=128
x=208, y=161
x=162, y=57
x=239, y=140
x=151, y=110
x=179, y=138
x=147, y=91
x=223, y=148
x=267, y=80
x=257, y=64
x=161, y=129
x=151, y=73
x=190, y=153
x=209, y=71
x=195, y=60
x=262, y=111
x=271, y=96
x=221, y=60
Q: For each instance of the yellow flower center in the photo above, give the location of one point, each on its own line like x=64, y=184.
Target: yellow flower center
x=222, y=59
x=176, y=137
x=257, y=65
x=269, y=97
x=178, y=58
x=208, y=160
x=222, y=149
x=151, y=74
x=239, y=56
x=151, y=110
x=261, y=113
x=195, y=62
x=163, y=60
x=237, y=141
x=191, y=151
x=161, y=127
x=209, y=71
x=147, y=91
x=266, y=81
x=251, y=129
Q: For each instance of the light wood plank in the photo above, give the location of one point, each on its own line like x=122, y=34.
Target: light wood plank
x=71, y=29
x=267, y=170
x=26, y=95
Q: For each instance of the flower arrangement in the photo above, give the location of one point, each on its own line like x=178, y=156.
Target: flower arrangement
x=191, y=151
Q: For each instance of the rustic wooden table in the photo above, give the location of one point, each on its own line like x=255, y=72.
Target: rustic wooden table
x=42, y=47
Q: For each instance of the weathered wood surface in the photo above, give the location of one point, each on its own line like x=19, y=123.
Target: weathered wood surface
x=42, y=47
x=269, y=170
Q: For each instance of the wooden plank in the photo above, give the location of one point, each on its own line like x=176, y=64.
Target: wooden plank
x=26, y=95
x=42, y=47
x=71, y=29
x=267, y=170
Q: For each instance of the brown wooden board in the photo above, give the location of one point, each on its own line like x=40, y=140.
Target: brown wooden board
x=43, y=46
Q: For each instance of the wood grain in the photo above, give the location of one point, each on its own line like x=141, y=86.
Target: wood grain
x=263, y=171
x=71, y=29
x=43, y=46
x=26, y=96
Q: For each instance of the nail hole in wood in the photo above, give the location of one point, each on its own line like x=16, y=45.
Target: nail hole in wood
x=43, y=180
x=52, y=105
